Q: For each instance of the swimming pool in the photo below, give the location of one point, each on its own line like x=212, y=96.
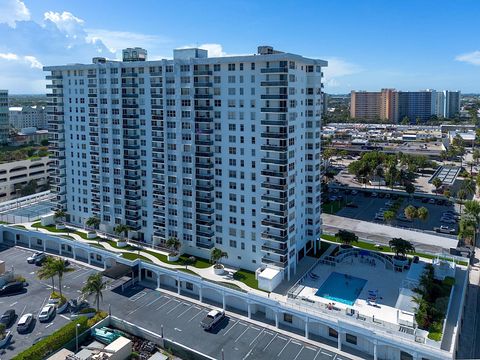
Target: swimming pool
x=342, y=288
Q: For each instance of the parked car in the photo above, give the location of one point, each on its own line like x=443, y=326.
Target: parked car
x=332, y=198
x=39, y=261
x=46, y=313
x=387, y=196
x=10, y=288
x=431, y=201
x=374, y=194
x=35, y=256
x=24, y=323
x=444, y=229
x=379, y=216
x=212, y=319
x=8, y=318
x=381, y=195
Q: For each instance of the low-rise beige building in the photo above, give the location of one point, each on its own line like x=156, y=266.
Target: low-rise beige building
x=14, y=175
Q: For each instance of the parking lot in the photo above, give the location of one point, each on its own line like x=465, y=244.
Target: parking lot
x=181, y=322
x=367, y=207
x=150, y=309
x=34, y=298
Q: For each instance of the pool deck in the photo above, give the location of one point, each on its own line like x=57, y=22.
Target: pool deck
x=387, y=282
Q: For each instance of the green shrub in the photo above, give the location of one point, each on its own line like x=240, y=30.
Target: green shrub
x=88, y=310
x=449, y=281
x=56, y=341
x=20, y=278
x=98, y=317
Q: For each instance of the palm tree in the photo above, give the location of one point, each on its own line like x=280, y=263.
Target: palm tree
x=389, y=216
x=60, y=214
x=95, y=286
x=469, y=187
x=437, y=183
x=47, y=272
x=217, y=255
x=174, y=245
x=401, y=247
x=60, y=267
x=461, y=195
x=121, y=230
x=93, y=222
x=466, y=229
x=410, y=212
x=422, y=213
x=472, y=207
x=346, y=237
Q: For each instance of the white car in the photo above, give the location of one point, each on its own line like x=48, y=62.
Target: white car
x=24, y=323
x=379, y=216
x=36, y=256
x=212, y=318
x=46, y=313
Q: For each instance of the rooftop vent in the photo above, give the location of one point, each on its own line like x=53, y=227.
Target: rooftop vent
x=267, y=50
x=134, y=54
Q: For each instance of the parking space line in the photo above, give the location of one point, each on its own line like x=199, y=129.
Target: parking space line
x=256, y=337
x=152, y=302
x=138, y=296
x=164, y=304
x=236, y=322
x=179, y=303
x=201, y=311
x=65, y=317
x=265, y=348
x=288, y=342
x=324, y=353
x=244, y=331
x=311, y=348
x=185, y=311
x=295, y=358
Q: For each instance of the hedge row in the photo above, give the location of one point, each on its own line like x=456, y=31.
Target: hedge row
x=54, y=342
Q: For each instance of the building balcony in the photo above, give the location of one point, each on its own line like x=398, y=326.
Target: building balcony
x=129, y=85
x=129, y=74
x=204, y=165
x=269, y=185
x=274, y=135
x=53, y=77
x=202, y=72
x=273, y=173
x=274, y=109
x=129, y=95
x=278, y=83
x=132, y=187
x=275, y=212
x=132, y=207
x=130, y=106
x=205, y=222
x=202, y=84
x=54, y=86
x=204, y=176
x=275, y=198
x=132, y=217
x=202, y=96
x=92, y=95
x=132, y=196
x=204, y=142
x=203, y=153
x=133, y=225
x=203, y=119
x=271, y=248
x=200, y=131
x=131, y=146
x=130, y=126
x=132, y=166
x=267, y=235
x=205, y=233
x=156, y=96
x=203, y=108
x=282, y=263
x=205, y=211
x=274, y=123
x=204, y=199
x=274, y=70
x=274, y=97
x=204, y=245
x=130, y=116
x=206, y=187
x=156, y=73
x=274, y=224
x=267, y=160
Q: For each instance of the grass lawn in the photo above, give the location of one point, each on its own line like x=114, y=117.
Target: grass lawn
x=132, y=256
x=188, y=271
x=114, y=244
x=247, y=277
x=19, y=226
x=50, y=228
x=332, y=207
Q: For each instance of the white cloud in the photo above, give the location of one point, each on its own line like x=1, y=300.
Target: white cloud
x=118, y=40
x=8, y=56
x=27, y=59
x=338, y=68
x=65, y=22
x=33, y=61
x=471, y=58
x=12, y=11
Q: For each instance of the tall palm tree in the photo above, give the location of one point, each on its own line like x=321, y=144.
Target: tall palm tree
x=461, y=195
x=173, y=244
x=60, y=267
x=121, y=230
x=93, y=222
x=422, y=213
x=95, y=286
x=472, y=207
x=47, y=271
x=401, y=246
x=217, y=255
x=60, y=214
x=469, y=187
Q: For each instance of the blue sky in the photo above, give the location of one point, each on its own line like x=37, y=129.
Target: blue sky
x=370, y=44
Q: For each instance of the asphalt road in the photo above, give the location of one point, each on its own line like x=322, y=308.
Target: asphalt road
x=151, y=309
x=34, y=298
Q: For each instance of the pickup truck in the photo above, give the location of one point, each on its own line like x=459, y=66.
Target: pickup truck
x=212, y=318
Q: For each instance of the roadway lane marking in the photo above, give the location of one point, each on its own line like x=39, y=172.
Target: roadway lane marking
x=16, y=302
x=65, y=317
x=177, y=329
x=265, y=348
x=242, y=334
x=185, y=311
x=295, y=358
x=179, y=303
x=201, y=311
x=288, y=342
x=256, y=337
x=236, y=322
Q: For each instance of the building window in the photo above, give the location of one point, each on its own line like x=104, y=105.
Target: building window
x=287, y=318
x=352, y=339
x=188, y=285
x=332, y=333
x=405, y=356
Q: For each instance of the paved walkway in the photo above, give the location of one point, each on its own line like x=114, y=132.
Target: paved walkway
x=206, y=273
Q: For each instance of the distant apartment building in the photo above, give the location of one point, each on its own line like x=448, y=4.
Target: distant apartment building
x=393, y=105
x=4, y=125
x=16, y=174
x=27, y=117
x=218, y=152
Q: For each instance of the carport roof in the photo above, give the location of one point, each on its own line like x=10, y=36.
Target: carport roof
x=117, y=271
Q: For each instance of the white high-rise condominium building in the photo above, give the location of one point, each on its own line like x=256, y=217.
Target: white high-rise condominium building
x=217, y=152
x=4, y=126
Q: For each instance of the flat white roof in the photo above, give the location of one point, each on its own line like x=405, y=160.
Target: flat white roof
x=268, y=273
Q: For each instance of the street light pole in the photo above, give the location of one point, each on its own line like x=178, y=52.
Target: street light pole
x=76, y=337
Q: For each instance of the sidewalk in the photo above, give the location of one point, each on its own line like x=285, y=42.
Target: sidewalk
x=206, y=273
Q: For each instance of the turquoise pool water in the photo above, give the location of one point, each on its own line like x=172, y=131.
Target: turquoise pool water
x=342, y=288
